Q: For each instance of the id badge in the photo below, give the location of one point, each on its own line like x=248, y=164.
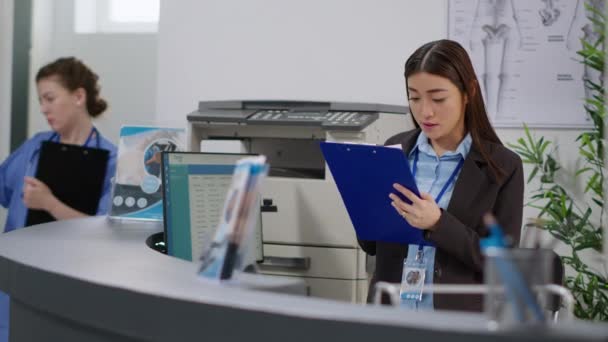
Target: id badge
x=412, y=280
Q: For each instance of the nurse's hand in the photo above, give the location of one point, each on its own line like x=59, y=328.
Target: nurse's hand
x=423, y=213
x=37, y=195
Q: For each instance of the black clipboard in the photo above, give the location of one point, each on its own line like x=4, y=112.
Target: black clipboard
x=75, y=174
x=364, y=175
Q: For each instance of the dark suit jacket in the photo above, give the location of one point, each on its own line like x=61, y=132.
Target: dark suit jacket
x=458, y=259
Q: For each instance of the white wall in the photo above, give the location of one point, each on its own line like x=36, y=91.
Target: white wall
x=125, y=63
x=6, y=50
x=338, y=50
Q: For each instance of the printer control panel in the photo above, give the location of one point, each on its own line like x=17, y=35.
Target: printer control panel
x=329, y=119
x=325, y=115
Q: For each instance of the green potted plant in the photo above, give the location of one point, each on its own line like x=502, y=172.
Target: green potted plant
x=578, y=224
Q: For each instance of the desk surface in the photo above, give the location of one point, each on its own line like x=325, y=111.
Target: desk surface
x=90, y=278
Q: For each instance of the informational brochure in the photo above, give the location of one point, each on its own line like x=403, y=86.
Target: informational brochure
x=136, y=193
x=235, y=231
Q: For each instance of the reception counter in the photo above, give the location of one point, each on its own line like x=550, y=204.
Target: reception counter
x=93, y=280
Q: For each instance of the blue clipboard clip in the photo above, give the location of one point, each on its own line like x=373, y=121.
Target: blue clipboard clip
x=364, y=175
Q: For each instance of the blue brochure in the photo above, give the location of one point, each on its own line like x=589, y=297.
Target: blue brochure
x=227, y=252
x=364, y=175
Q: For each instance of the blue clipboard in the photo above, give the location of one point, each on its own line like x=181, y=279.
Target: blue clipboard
x=364, y=175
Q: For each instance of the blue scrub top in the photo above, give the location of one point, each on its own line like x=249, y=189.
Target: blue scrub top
x=24, y=162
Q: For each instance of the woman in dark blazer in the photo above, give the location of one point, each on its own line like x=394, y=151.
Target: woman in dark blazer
x=445, y=100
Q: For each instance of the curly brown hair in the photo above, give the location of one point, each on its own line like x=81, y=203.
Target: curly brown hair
x=73, y=74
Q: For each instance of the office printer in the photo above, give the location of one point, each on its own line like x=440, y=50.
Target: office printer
x=305, y=227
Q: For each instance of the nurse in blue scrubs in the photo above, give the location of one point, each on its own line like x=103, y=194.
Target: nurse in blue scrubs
x=69, y=99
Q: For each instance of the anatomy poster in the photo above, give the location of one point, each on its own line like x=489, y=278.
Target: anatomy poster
x=524, y=54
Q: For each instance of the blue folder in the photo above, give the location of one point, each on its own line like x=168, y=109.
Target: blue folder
x=364, y=175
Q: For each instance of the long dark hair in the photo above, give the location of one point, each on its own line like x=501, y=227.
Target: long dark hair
x=448, y=59
x=74, y=74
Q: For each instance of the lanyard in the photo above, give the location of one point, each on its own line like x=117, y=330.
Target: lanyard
x=94, y=132
x=450, y=180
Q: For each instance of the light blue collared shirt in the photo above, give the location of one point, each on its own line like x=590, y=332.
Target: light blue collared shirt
x=432, y=173
x=24, y=161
